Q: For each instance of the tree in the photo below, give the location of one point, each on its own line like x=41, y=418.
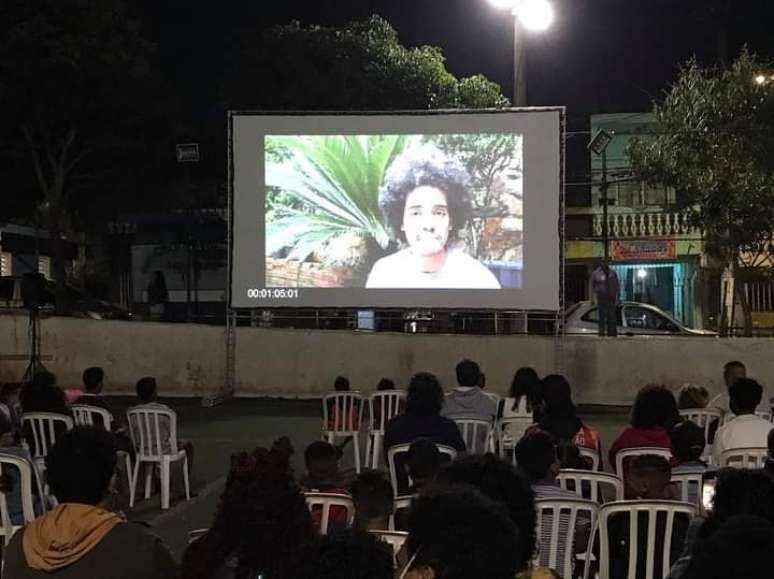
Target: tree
x=80, y=104
x=712, y=141
x=361, y=66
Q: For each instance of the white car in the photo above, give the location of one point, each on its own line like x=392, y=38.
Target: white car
x=634, y=319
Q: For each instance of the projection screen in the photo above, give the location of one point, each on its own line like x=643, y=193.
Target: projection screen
x=447, y=209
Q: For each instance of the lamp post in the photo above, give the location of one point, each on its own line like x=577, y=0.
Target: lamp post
x=528, y=16
x=598, y=146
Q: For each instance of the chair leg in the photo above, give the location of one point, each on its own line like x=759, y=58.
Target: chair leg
x=185, y=479
x=377, y=457
x=356, y=448
x=148, y=479
x=369, y=459
x=164, y=484
x=134, y=475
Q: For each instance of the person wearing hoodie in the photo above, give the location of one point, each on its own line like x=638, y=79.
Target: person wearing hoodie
x=467, y=400
x=82, y=537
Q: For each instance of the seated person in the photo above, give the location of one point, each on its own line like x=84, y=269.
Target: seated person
x=468, y=401
x=688, y=447
x=372, y=495
x=337, y=418
x=323, y=476
x=745, y=429
x=10, y=407
x=768, y=467
x=42, y=395
x=353, y=554
x=423, y=462
x=385, y=384
x=10, y=481
x=456, y=532
x=81, y=537
x=692, y=396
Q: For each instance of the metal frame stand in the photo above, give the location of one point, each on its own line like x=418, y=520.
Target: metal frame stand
x=35, y=366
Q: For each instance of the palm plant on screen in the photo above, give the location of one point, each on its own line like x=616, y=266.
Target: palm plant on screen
x=323, y=192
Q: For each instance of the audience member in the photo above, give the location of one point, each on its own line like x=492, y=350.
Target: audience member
x=732, y=372
x=741, y=547
x=93, y=379
x=692, y=396
x=10, y=480
x=10, y=407
x=687, y=447
x=262, y=527
x=560, y=418
x=524, y=397
x=385, y=384
x=501, y=482
x=341, y=414
x=457, y=533
x=323, y=476
x=745, y=429
x=43, y=395
x=467, y=400
x=653, y=416
x=81, y=537
x=373, y=498
x=423, y=463
x=649, y=478
x=768, y=467
x=353, y=554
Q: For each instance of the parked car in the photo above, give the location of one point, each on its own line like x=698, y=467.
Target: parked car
x=634, y=319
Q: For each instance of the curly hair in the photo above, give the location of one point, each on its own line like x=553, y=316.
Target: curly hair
x=350, y=554
x=424, y=396
x=460, y=533
x=262, y=523
x=503, y=483
x=655, y=405
x=425, y=166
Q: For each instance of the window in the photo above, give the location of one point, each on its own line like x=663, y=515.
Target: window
x=647, y=319
x=593, y=316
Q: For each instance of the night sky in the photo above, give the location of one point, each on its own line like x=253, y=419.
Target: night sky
x=599, y=56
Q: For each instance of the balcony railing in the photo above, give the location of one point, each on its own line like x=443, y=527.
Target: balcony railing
x=644, y=224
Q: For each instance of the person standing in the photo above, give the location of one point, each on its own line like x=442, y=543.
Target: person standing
x=604, y=283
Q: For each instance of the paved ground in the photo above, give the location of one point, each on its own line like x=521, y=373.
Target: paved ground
x=243, y=424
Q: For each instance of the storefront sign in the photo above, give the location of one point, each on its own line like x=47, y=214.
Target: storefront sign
x=643, y=249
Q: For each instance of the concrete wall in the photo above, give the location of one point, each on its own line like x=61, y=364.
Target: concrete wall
x=189, y=360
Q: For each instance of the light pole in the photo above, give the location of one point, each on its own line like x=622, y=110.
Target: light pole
x=528, y=16
x=598, y=146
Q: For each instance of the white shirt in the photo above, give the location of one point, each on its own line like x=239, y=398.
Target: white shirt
x=723, y=402
x=459, y=270
x=743, y=431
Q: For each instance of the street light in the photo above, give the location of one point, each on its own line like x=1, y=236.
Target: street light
x=598, y=146
x=532, y=16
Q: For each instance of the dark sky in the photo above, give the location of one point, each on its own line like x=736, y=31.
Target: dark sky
x=600, y=55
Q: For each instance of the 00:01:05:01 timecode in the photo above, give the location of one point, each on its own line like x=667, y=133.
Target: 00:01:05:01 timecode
x=289, y=293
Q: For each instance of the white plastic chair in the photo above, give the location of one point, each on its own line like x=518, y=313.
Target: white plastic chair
x=196, y=534
x=400, y=449
x=558, y=521
x=687, y=481
x=627, y=453
x=394, y=539
x=387, y=404
x=326, y=501
x=704, y=417
x=669, y=510
x=477, y=435
x=88, y=415
x=753, y=457
x=346, y=420
x=28, y=480
x=593, y=481
x=508, y=431
x=592, y=455
x=43, y=429
x=151, y=449
x=399, y=504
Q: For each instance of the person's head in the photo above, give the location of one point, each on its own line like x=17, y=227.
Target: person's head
x=423, y=461
x=740, y=491
x=353, y=554
x=458, y=533
x=93, y=379
x=741, y=547
x=426, y=199
x=692, y=396
x=687, y=441
x=43, y=380
x=9, y=393
x=557, y=394
x=744, y=396
x=81, y=465
x=322, y=461
x=262, y=522
x=468, y=373
x=147, y=391
x=536, y=456
x=385, y=384
x=732, y=371
x=373, y=498
x=341, y=384
x=501, y=482
x=649, y=477
x=655, y=406
x=526, y=383
x=424, y=396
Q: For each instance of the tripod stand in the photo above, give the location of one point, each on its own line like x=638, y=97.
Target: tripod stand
x=35, y=366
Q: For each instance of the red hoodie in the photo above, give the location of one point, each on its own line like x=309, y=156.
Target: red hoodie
x=655, y=437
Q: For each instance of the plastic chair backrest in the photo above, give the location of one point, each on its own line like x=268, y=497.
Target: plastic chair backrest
x=388, y=404
x=508, y=431
x=476, y=434
x=27, y=479
x=394, y=539
x=196, y=534
x=146, y=432
x=593, y=481
x=753, y=457
x=685, y=481
x=652, y=508
x=400, y=503
x=43, y=426
x=326, y=501
x=704, y=417
x=84, y=415
x=400, y=449
x=628, y=453
x=556, y=551
x=347, y=412
x=592, y=455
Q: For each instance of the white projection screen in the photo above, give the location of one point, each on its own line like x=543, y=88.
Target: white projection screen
x=452, y=209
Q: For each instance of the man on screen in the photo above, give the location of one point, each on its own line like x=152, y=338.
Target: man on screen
x=426, y=200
